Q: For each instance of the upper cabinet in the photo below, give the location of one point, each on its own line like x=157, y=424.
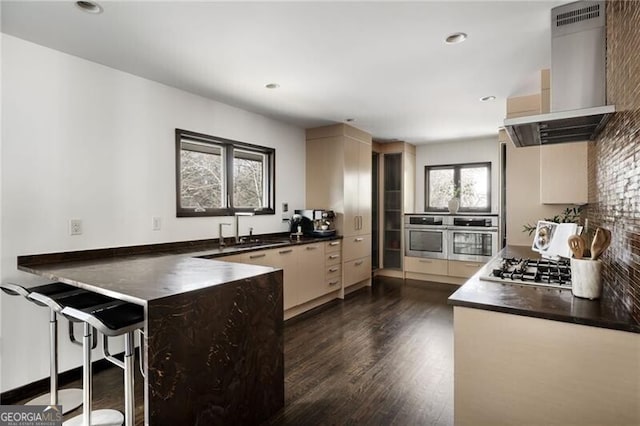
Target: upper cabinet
x=563, y=167
x=339, y=178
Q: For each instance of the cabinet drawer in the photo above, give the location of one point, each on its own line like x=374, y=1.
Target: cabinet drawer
x=332, y=271
x=357, y=270
x=333, y=283
x=463, y=269
x=332, y=258
x=425, y=266
x=356, y=247
x=333, y=246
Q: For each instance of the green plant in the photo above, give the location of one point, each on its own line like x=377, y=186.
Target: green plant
x=569, y=215
x=456, y=192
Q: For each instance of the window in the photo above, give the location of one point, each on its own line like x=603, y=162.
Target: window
x=218, y=177
x=471, y=182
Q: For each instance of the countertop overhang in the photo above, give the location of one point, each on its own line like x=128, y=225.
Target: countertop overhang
x=541, y=302
x=140, y=274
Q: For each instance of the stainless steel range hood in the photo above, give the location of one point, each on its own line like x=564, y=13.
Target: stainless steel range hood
x=578, y=80
x=558, y=127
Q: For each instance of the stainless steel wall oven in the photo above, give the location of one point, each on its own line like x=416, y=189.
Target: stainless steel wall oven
x=425, y=236
x=468, y=238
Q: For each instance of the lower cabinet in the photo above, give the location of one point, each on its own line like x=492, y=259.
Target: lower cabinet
x=357, y=270
x=463, y=269
x=309, y=271
x=357, y=259
x=425, y=266
x=441, y=270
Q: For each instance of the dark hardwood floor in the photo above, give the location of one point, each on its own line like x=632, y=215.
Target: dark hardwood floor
x=382, y=356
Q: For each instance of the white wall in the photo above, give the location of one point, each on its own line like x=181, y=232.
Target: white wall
x=81, y=140
x=456, y=152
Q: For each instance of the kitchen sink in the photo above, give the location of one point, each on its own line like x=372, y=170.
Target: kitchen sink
x=265, y=243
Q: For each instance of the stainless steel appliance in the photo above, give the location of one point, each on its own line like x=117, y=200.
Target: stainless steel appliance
x=425, y=236
x=538, y=272
x=472, y=238
x=578, y=83
x=318, y=223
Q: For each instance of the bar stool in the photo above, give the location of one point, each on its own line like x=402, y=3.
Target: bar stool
x=69, y=399
x=84, y=300
x=111, y=320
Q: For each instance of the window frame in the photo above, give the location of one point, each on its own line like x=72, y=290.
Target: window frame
x=228, y=146
x=456, y=185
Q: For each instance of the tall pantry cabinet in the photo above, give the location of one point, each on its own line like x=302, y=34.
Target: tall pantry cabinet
x=338, y=177
x=397, y=174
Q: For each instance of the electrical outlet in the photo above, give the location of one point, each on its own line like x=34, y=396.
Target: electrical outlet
x=75, y=227
x=156, y=223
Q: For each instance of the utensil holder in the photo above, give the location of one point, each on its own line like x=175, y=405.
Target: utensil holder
x=586, y=278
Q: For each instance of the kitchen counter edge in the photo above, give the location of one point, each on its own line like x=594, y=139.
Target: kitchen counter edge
x=540, y=302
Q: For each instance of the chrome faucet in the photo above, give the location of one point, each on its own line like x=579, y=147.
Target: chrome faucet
x=237, y=223
x=220, y=236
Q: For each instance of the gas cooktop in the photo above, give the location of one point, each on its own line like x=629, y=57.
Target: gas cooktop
x=539, y=272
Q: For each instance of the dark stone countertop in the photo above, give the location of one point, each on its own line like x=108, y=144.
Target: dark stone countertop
x=540, y=302
x=140, y=274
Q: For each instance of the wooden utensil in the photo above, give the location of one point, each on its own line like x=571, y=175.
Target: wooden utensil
x=601, y=241
x=576, y=244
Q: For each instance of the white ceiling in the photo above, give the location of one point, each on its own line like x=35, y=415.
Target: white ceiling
x=385, y=64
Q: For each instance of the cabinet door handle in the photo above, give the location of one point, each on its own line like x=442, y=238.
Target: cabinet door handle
x=333, y=282
x=358, y=240
x=285, y=251
x=334, y=256
x=335, y=243
x=334, y=269
x=311, y=247
x=425, y=261
x=359, y=262
x=256, y=256
x=355, y=223
x=360, y=227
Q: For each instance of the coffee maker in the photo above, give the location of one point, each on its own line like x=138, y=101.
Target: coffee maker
x=314, y=222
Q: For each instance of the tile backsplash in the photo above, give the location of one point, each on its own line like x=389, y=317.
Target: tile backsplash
x=614, y=159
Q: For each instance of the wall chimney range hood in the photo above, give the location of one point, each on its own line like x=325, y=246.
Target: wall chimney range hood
x=578, y=80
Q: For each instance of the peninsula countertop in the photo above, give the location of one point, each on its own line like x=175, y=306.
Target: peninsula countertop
x=141, y=274
x=540, y=302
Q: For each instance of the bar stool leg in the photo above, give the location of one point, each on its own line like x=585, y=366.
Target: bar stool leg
x=89, y=417
x=129, y=371
x=70, y=399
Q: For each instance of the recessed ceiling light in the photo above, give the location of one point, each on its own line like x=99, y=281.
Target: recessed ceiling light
x=487, y=98
x=456, y=38
x=89, y=6
x=272, y=85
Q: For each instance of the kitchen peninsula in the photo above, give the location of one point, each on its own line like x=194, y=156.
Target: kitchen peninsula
x=533, y=355
x=213, y=333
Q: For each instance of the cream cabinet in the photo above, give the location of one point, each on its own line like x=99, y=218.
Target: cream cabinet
x=338, y=177
x=357, y=270
x=419, y=265
x=333, y=264
x=463, y=269
x=309, y=270
x=311, y=265
x=563, y=173
x=287, y=259
x=561, y=170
